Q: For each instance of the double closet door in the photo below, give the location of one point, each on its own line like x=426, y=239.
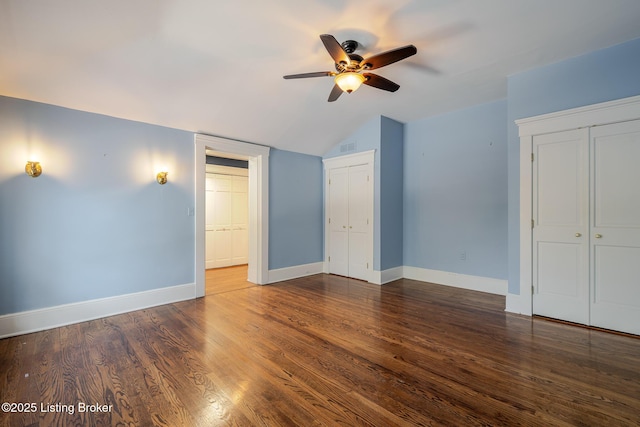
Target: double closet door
x=349, y=207
x=586, y=226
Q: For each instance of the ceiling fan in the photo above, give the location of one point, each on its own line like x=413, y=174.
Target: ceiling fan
x=351, y=68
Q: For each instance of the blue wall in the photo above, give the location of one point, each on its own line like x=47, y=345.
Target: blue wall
x=296, y=233
x=599, y=76
x=455, y=191
x=391, y=183
x=95, y=223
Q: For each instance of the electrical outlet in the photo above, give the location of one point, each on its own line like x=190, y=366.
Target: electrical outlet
x=463, y=256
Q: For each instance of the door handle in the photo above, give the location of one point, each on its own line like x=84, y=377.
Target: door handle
x=598, y=236
x=578, y=234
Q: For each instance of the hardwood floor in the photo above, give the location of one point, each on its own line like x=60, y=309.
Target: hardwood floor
x=220, y=280
x=325, y=350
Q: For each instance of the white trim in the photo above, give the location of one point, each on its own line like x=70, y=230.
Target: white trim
x=357, y=159
x=526, y=215
x=288, y=273
x=389, y=275
x=473, y=283
x=619, y=110
x=518, y=304
x=258, y=157
x=52, y=317
x=592, y=115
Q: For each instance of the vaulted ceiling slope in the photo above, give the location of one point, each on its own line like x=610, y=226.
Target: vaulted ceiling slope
x=217, y=66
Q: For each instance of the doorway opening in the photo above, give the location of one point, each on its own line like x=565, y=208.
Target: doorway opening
x=226, y=227
x=257, y=157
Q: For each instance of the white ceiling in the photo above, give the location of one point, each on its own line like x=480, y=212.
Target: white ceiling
x=216, y=66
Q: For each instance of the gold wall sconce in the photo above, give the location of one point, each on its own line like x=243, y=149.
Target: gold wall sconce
x=33, y=169
x=162, y=178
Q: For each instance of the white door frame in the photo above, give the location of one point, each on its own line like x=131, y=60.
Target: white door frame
x=258, y=158
x=593, y=115
x=363, y=158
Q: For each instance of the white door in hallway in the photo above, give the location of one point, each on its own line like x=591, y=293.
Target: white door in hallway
x=226, y=217
x=561, y=225
x=239, y=220
x=615, y=221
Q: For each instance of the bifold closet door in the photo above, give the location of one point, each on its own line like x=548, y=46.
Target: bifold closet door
x=615, y=220
x=349, y=203
x=561, y=225
x=586, y=235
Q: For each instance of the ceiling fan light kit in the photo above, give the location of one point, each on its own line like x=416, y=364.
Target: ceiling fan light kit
x=349, y=67
x=349, y=81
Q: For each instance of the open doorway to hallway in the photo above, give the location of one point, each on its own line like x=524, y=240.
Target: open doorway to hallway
x=258, y=210
x=226, y=224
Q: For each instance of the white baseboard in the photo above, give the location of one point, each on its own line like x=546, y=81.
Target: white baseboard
x=287, y=273
x=388, y=275
x=518, y=304
x=474, y=283
x=52, y=317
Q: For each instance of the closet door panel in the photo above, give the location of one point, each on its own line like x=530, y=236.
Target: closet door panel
x=560, y=235
x=339, y=221
x=358, y=199
x=615, y=234
x=358, y=222
x=239, y=220
x=358, y=263
x=616, y=176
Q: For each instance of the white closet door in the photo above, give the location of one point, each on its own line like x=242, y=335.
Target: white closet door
x=209, y=222
x=239, y=220
x=561, y=231
x=227, y=217
x=615, y=258
x=339, y=221
x=221, y=221
x=358, y=227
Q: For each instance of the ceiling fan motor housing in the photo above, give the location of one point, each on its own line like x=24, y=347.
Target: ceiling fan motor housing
x=350, y=46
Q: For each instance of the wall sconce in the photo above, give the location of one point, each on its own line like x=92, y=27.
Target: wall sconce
x=162, y=178
x=33, y=169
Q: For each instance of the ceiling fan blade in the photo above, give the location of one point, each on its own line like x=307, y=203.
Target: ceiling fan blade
x=335, y=50
x=307, y=75
x=335, y=93
x=379, y=82
x=388, y=57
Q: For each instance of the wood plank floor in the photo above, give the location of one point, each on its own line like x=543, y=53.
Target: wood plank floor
x=325, y=350
x=225, y=279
